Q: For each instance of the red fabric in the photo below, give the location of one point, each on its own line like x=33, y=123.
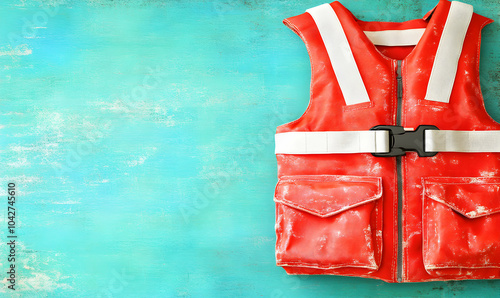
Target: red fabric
x=328, y=218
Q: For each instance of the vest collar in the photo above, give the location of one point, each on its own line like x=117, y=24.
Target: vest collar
x=432, y=41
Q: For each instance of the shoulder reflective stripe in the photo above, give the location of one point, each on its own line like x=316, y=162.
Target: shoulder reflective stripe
x=408, y=37
x=462, y=141
x=324, y=142
x=340, y=54
x=448, y=53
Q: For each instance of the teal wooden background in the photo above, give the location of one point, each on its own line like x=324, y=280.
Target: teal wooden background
x=140, y=137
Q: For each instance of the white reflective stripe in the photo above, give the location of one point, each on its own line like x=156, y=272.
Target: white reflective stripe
x=462, y=141
x=407, y=37
x=448, y=53
x=324, y=142
x=340, y=54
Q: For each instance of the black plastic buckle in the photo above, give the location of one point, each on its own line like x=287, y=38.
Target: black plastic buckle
x=401, y=140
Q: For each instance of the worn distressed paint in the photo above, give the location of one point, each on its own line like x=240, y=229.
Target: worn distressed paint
x=140, y=135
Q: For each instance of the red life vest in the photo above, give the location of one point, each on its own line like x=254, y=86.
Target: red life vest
x=388, y=202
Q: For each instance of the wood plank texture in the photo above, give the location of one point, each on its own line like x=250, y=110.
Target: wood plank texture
x=140, y=135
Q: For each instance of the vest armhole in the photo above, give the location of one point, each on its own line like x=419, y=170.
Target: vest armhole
x=289, y=22
x=294, y=24
x=485, y=21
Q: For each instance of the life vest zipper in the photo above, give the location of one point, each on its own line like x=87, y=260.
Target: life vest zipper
x=399, y=174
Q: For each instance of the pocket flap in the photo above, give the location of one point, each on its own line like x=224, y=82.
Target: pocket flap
x=327, y=195
x=471, y=197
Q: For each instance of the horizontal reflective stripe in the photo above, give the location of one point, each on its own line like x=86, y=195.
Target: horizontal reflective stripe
x=408, y=37
x=462, y=141
x=377, y=141
x=325, y=142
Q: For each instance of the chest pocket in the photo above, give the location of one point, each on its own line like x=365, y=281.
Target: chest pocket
x=328, y=221
x=461, y=218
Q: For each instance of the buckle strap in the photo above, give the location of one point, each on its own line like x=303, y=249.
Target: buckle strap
x=388, y=141
x=328, y=142
x=463, y=141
